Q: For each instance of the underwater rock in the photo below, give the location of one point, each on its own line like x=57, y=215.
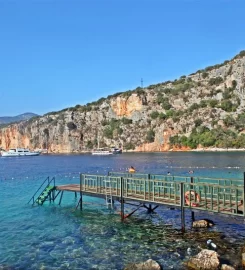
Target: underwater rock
x=203, y=223
x=5, y=267
x=148, y=265
x=204, y=260
x=243, y=259
x=188, y=251
x=226, y=267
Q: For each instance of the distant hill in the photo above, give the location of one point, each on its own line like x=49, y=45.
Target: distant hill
x=18, y=118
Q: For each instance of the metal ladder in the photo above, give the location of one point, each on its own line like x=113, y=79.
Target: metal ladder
x=108, y=193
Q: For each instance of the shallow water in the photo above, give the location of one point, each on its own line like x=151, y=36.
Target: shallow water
x=60, y=237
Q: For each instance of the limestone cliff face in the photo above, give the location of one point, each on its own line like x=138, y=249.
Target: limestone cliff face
x=143, y=119
x=126, y=106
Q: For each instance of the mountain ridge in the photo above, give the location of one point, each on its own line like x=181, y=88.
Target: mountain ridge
x=203, y=109
x=17, y=118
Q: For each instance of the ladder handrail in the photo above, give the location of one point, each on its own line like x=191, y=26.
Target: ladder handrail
x=49, y=181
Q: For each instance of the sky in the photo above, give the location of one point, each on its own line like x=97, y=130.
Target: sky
x=56, y=54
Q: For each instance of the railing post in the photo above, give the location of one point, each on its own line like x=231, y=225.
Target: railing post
x=121, y=195
x=182, y=203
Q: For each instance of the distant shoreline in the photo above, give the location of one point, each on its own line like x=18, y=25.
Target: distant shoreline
x=218, y=150
x=213, y=149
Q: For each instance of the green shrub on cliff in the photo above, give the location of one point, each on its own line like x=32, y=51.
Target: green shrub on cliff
x=129, y=146
x=126, y=121
x=154, y=115
x=108, y=132
x=215, y=81
x=150, y=136
x=204, y=137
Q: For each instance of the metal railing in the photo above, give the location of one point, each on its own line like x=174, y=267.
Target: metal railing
x=177, y=191
x=190, y=179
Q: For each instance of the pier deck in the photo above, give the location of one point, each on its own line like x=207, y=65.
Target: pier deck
x=223, y=196
x=227, y=198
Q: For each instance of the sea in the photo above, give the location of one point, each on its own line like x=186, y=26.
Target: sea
x=54, y=236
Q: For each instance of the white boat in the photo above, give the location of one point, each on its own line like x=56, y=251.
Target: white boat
x=102, y=151
x=16, y=152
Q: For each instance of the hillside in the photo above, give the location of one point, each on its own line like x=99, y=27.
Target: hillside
x=203, y=109
x=15, y=119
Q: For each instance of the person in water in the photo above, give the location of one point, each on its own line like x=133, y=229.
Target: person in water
x=131, y=169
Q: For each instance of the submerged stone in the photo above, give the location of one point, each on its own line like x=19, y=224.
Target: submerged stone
x=226, y=267
x=204, y=260
x=203, y=223
x=148, y=265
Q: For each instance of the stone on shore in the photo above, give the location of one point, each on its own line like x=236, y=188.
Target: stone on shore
x=148, y=265
x=203, y=223
x=204, y=260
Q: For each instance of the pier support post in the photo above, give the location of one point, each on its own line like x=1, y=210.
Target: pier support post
x=75, y=194
x=61, y=196
x=182, y=203
x=192, y=212
x=149, y=208
x=53, y=195
x=81, y=201
x=122, y=200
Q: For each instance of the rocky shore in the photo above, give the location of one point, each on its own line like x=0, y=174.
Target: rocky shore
x=215, y=252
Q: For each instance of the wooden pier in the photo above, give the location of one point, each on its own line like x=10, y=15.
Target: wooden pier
x=224, y=196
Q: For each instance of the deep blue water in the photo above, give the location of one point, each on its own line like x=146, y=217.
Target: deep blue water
x=60, y=237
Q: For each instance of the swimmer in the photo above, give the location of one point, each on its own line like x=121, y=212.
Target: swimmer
x=131, y=169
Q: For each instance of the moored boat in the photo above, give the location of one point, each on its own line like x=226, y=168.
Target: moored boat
x=116, y=150
x=102, y=151
x=16, y=152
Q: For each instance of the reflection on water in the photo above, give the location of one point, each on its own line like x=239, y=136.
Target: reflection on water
x=53, y=237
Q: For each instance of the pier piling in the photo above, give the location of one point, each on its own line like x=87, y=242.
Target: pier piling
x=122, y=200
x=192, y=212
x=61, y=196
x=182, y=203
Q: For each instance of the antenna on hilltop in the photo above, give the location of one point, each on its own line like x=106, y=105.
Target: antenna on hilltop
x=141, y=82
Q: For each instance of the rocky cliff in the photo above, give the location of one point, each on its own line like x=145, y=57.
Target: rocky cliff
x=202, y=109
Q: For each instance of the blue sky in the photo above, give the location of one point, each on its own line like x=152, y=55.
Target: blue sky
x=57, y=54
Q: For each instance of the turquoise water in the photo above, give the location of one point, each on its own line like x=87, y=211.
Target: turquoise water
x=60, y=237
